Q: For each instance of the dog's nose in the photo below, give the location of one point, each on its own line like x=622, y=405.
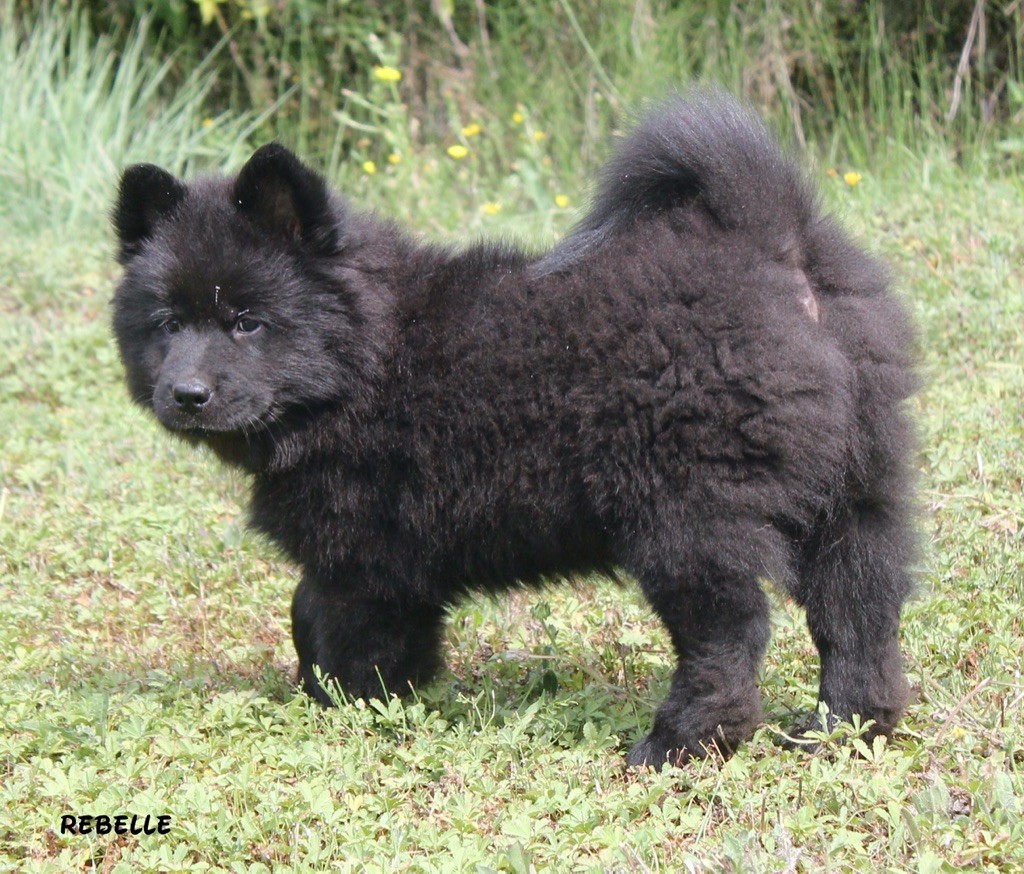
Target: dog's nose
x=191, y=395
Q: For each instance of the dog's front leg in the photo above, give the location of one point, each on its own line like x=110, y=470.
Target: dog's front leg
x=369, y=647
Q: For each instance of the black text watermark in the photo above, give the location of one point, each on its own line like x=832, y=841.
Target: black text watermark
x=120, y=824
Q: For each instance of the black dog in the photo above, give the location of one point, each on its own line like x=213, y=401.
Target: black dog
x=702, y=385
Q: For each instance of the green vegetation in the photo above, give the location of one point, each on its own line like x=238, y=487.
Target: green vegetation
x=148, y=658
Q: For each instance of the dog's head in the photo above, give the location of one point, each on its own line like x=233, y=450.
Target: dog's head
x=237, y=304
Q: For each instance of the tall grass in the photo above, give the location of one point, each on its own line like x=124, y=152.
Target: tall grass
x=865, y=86
x=852, y=84
x=76, y=106
x=73, y=112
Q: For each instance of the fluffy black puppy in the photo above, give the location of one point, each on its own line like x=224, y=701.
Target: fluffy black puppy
x=702, y=385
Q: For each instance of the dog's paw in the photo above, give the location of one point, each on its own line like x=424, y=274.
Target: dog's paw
x=646, y=754
x=655, y=753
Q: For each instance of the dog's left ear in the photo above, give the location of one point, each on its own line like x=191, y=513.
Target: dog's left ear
x=286, y=199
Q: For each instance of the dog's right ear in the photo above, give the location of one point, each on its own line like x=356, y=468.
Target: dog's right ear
x=147, y=194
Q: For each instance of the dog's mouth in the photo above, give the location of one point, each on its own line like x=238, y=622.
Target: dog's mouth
x=202, y=430
x=207, y=423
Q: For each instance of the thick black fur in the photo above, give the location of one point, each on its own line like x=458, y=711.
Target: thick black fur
x=702, y=385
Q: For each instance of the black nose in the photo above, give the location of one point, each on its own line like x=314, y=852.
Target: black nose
x=191, y=395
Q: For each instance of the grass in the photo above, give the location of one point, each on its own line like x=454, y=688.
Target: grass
x=875, y=75
x=148, y=660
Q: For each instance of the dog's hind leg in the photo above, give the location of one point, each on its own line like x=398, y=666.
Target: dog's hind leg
x=701, y=575
x=853, y=581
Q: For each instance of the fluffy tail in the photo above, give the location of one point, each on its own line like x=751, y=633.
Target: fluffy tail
x=705, y=149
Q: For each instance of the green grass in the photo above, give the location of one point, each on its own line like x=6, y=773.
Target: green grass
x=148, y=661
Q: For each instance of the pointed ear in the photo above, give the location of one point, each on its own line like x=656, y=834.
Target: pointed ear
x=286, y=199
x=145, y=196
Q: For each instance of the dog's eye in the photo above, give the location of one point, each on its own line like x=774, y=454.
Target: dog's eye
x=170, y=326
x=247, y=325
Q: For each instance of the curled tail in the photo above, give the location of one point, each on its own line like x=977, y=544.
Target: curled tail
x=704, y=149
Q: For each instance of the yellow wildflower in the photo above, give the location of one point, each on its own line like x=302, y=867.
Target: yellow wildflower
x=207, y=122
x=471, y=130
x=561, y=201
x=207, y=10
x=851, y=178
x=387, y=74
x=457, y=152
x=517, y=118
x=369, y=168
x=394, y=158
x=538, y=135
x=490, y=208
